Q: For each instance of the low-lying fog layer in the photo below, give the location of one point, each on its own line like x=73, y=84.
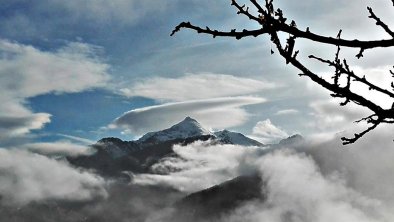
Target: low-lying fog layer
x=318, y=181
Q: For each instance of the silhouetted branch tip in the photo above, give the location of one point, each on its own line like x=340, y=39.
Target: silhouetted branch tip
x=379, y=22
x=357, y=136
x=360, y=54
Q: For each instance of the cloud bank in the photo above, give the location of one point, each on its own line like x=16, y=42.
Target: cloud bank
x=214, y=113
x=199, y=160
x=297, y=191
x=320, y=181
x=58, y=149
x=16, y=126
x=27, y=177
x=331, y=118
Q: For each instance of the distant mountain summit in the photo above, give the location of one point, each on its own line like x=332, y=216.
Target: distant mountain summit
x=228, y=137
x=294, y=140
x=187, y=128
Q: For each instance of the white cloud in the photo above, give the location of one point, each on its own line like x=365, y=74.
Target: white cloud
x=214, y=113
x=332, y=118
x=297, y=191
x=59, y=148
x=196, y=86
x=366, y=164
x=12, y=127
x=27, y=177
x=268, y=132
x=286, y=112
x=26, y=72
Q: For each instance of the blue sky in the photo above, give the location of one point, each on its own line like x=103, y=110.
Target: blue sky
x=69, y=69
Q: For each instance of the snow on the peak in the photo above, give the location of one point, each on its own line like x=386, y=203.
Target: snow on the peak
x=189, y=127
x=226, y=136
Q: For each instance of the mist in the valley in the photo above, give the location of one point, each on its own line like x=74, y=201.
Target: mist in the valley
x=316, y=181
x=36, y=188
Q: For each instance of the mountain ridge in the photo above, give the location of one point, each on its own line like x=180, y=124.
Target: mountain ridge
x=114, y=156
x=228, y=137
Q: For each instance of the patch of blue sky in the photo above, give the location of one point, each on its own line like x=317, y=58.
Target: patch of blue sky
x=84, y=114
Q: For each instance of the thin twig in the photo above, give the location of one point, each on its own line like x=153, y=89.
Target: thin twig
x=379, y=22
x=233, y=33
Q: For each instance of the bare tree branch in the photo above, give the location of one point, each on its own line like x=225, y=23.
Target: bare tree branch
x=354, y=76
x=357, y=136
x=334, y=41
x=233, y=33
x=242, y=10
x=307, y=35
x=273, y=22
x=259, y=8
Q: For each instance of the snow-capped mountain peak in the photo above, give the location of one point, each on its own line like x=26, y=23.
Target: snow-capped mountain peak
x=227, y=137
x=187, y=128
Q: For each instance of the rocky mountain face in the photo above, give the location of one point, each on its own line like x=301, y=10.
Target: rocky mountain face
x=210, y=203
